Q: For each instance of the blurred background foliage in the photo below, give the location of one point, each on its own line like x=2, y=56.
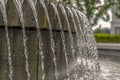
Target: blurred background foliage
x=94, y=9
x=108, y=38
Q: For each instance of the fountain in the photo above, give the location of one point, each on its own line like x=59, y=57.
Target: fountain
x=42, y=41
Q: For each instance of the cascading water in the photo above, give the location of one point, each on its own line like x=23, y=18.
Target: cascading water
x=3, y=10
x=70, y=33
x=51, y=39
x=32, y=5
x=80, y=40
x=18, y=4
x=62, y=37
x=83, y=66
x=82, y=43
x=77, y=36
x=91, y=47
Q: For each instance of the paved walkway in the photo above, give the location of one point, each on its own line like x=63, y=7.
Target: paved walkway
x=113, y=46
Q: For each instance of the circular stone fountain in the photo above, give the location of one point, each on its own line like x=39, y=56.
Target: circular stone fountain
x=41, y=41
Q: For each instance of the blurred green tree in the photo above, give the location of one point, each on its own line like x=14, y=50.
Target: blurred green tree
x=94, y=9
x=116, y=8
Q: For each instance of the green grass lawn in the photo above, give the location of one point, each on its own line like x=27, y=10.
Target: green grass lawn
x=103, y=37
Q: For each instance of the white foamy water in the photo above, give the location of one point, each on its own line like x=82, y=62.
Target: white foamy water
x=85, y=65
x=110, y=70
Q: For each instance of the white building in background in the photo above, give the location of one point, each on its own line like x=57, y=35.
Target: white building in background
x=115, y=23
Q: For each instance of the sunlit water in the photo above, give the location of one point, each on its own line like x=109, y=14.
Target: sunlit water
x=51, y=38
x=110, y=67
x=85, y=67
x=62, y=35
x=18, y=5
x=3, y=10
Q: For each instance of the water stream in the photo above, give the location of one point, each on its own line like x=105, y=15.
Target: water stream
x=62, y=37
x=70, y=35
x=91, y=46
x=77, y=36
x=84, y=66
x=51, y=38
x=32, y=5
x=80, y=40
x=3, y=11
x=18, y=4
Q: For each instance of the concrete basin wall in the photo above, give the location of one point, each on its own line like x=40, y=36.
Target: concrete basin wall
x=29, y=21
x=18, y=58
x=86, y=43
x=17, y=48
x=109, y=48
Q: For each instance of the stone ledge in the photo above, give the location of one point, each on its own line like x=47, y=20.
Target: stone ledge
x=112, y=46
x=13, y=17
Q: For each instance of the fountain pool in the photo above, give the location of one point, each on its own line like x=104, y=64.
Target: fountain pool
x=42, y=41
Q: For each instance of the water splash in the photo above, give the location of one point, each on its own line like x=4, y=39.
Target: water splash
x=80, y=40
x=90, y=43
x=84, y=43
x=86, y=66
x=77, y=37
x=32, y=5
x=3, y=10
x=70, y=36
x=18, y=5
x=51, y=37
x=62, y=36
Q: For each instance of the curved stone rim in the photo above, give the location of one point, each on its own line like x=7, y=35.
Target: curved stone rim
x=14, y=21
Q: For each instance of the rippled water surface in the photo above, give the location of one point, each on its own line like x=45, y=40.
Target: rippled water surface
x=110, y=66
